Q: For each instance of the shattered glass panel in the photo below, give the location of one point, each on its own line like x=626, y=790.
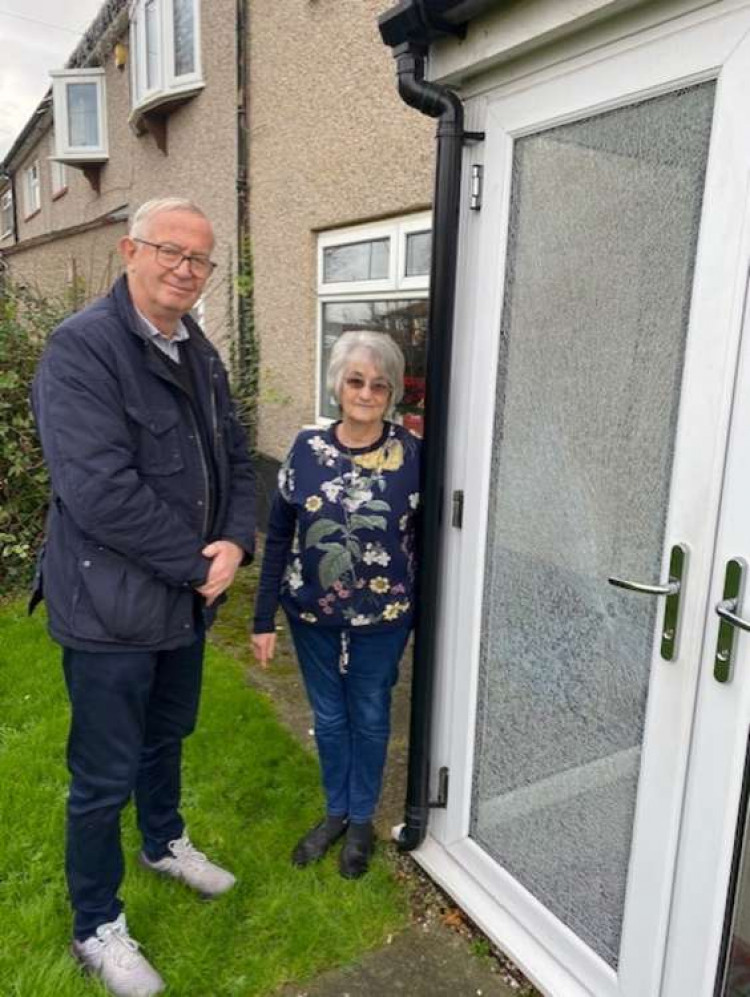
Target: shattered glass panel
x=603, y=231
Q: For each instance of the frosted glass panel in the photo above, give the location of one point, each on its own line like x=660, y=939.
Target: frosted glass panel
x=603, y=229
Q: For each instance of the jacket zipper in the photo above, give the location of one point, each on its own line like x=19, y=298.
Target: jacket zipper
x=204, y=466
x=212, y=393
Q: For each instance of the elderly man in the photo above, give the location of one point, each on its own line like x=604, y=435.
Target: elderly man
x=152, y=512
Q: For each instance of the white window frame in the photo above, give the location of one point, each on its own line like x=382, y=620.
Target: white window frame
x=32, y=192
x=396, y=287
x=6, y=213
x=64, y=152
x=408, y=228
x=168, y=85
x=58, y=176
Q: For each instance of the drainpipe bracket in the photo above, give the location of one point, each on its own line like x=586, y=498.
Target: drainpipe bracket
x=473, y=136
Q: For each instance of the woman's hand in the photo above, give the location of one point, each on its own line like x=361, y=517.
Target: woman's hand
x=264, y=646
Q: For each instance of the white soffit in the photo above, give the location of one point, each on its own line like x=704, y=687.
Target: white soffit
x=516, y=28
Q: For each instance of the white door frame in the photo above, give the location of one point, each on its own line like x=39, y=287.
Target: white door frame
x=680, y=52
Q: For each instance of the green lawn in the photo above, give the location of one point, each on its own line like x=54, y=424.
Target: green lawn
x=250, y=791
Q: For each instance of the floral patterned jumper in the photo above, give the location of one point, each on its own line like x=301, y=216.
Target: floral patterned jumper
x=340, y=543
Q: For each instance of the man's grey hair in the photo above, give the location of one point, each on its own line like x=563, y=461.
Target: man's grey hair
x=384, y=354
x=159, y=206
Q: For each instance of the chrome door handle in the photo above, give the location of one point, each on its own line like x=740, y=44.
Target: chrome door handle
x=671, y=589
x=726, y=610
x=734, y=577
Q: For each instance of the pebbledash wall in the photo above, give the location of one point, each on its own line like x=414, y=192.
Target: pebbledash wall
x=330, y=146
x=75, y=233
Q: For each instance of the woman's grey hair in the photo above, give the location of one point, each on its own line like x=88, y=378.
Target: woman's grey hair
x=159, y=206
x=384, y=354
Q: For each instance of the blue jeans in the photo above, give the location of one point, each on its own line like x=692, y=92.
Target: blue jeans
x=129, y=715
x=352, y=711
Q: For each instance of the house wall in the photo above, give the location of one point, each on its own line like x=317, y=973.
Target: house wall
x=331, y=144
x=200, y=165
x=88, y=261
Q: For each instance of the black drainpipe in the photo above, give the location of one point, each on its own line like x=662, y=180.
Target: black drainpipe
x=243, y=184
x=442, y=103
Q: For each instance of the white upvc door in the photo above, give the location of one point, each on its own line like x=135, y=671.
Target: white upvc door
x=599, y=321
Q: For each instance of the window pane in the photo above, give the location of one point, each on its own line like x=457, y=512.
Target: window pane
x=83, y=117
x=357, y=261
x=405, y=322
x=6, y=213
x=59, y=179
x=418, y=246
x=152, y=45
x=184, y=37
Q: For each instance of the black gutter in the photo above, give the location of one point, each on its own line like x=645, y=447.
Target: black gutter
x=423, y=21
x=437, y=102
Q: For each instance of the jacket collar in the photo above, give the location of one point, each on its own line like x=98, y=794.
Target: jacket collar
x=125, y=308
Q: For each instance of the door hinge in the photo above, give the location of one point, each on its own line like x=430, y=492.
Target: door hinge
x=442, y=797
x=457, y=509
x=477, y=175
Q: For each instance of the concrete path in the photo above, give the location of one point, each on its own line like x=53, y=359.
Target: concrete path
x=417, y=963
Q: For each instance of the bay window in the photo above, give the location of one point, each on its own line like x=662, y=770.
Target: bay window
x=79, y=100
x=165, y=47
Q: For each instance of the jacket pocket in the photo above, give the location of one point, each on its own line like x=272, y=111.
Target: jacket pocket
x=158, y=440
x=118, y=602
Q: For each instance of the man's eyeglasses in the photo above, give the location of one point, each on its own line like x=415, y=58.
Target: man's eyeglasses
x=356, y=383
x=170, y=257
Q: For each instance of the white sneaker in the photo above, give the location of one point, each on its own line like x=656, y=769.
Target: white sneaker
x=192, y=867
x=113, y=956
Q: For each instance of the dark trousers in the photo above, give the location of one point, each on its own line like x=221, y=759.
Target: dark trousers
x=129, y=715
x=352, y=710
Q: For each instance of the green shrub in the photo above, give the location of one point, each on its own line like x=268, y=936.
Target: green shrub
x=26, y=319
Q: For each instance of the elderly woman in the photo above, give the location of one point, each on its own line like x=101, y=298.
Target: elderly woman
x=339, y=557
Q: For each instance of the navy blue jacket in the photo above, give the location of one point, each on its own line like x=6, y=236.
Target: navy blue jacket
x=133, y=503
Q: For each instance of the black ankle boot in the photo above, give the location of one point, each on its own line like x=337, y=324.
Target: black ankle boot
x=318, y=840
x=358, y=849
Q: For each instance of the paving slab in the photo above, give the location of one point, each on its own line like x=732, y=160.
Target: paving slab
x=417, y=963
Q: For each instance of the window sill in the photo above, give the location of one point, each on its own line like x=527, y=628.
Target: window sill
x=163, y=102
x=34, y=213
x=6, y=235
x=97, y=157
x=60, y=193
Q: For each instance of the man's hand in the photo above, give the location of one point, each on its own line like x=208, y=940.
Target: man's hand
x=264, y=646
x=226, y=557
